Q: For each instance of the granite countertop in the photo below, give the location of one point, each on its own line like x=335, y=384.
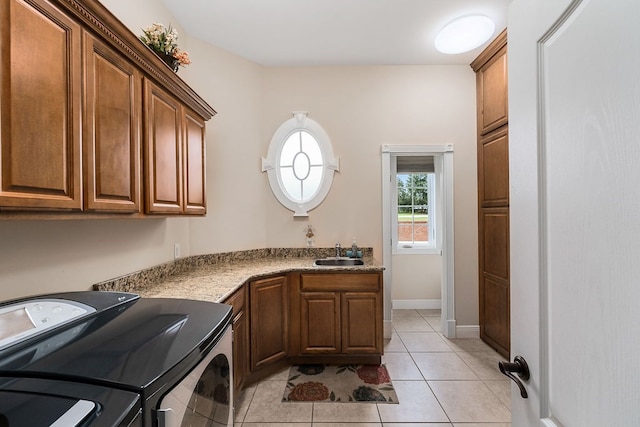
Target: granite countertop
x=215, y=277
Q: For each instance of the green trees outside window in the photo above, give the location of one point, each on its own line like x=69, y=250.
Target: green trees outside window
x=413, y=206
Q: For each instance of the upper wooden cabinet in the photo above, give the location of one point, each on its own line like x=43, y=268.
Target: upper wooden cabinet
x=40, y=106
x=111, y=130
x=194, y=164
x=174, y=155
x=491, y=86
x=81, y=100
x=163, y=151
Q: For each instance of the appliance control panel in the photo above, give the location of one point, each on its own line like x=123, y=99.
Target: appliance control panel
x=22, y=320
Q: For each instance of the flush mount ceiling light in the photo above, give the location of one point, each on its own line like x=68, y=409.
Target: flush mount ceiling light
x=464, y=34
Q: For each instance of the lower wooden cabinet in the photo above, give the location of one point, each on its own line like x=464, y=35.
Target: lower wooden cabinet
x=320, y=323
x=340, y=313
x=238, y=300
x=269, y=301
x=361, y=322
x=305, y=318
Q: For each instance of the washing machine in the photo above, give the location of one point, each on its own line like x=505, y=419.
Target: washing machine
x=115, y=359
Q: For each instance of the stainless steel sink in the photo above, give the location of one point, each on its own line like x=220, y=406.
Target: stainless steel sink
x=337, y=262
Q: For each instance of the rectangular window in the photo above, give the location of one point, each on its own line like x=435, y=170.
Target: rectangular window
x=415, y=213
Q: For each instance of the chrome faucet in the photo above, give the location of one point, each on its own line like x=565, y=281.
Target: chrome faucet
x=337, y=249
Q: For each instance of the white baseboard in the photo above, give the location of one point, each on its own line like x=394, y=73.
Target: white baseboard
x=387, y=329
x=416, y=304
x=468, y=331
x=449, y=329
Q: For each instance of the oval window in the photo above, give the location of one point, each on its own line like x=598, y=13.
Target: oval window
x=300, y=164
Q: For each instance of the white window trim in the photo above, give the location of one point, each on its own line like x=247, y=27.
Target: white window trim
x=447, y=292
x=271, y=164
x=434, y=245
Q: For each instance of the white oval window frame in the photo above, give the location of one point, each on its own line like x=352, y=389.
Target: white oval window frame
x=271, y=164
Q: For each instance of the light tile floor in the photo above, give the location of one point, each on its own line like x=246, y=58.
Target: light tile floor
x=439, y=382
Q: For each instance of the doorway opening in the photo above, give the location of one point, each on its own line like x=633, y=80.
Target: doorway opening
x=422, y=175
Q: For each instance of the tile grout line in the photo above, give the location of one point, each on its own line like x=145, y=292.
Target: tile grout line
x=428, y=385
x=497, y=397
x=248, y=406
x=438, y=400
x=455, y=352
x=424, y=379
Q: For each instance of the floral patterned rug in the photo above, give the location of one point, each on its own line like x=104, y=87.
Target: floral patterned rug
x=343, y=383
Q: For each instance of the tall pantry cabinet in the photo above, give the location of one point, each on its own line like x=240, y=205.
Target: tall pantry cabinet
x=493, y=194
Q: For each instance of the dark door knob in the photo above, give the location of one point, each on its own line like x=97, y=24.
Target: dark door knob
x=518, y=366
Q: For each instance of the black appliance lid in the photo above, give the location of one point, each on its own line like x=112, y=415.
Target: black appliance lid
x=32, y=402
x=17, y=409
x=30, y=319
x=130, y=346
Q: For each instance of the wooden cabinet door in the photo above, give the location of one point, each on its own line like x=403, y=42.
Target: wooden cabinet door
x=240, y=349
x=112, y=127
x=341, y=313
x=494, y=279
x=493, y=169
x=320, y=323
x=40, y=104
x=492, y=90
x=162, y=151
x=269, y=320
x=361, y=322
x=194, y=164
x=238, y=301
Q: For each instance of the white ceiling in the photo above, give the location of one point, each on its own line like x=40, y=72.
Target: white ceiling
x=332, y=32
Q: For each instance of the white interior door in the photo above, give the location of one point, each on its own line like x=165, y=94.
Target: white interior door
x=574, y=122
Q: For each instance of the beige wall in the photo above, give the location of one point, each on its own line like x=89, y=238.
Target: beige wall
x=416, y=277
x=54, y=256
x=233, y=87
x=361, y=108
x=235, y=194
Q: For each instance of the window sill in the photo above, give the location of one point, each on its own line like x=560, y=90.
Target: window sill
x=416, y=251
